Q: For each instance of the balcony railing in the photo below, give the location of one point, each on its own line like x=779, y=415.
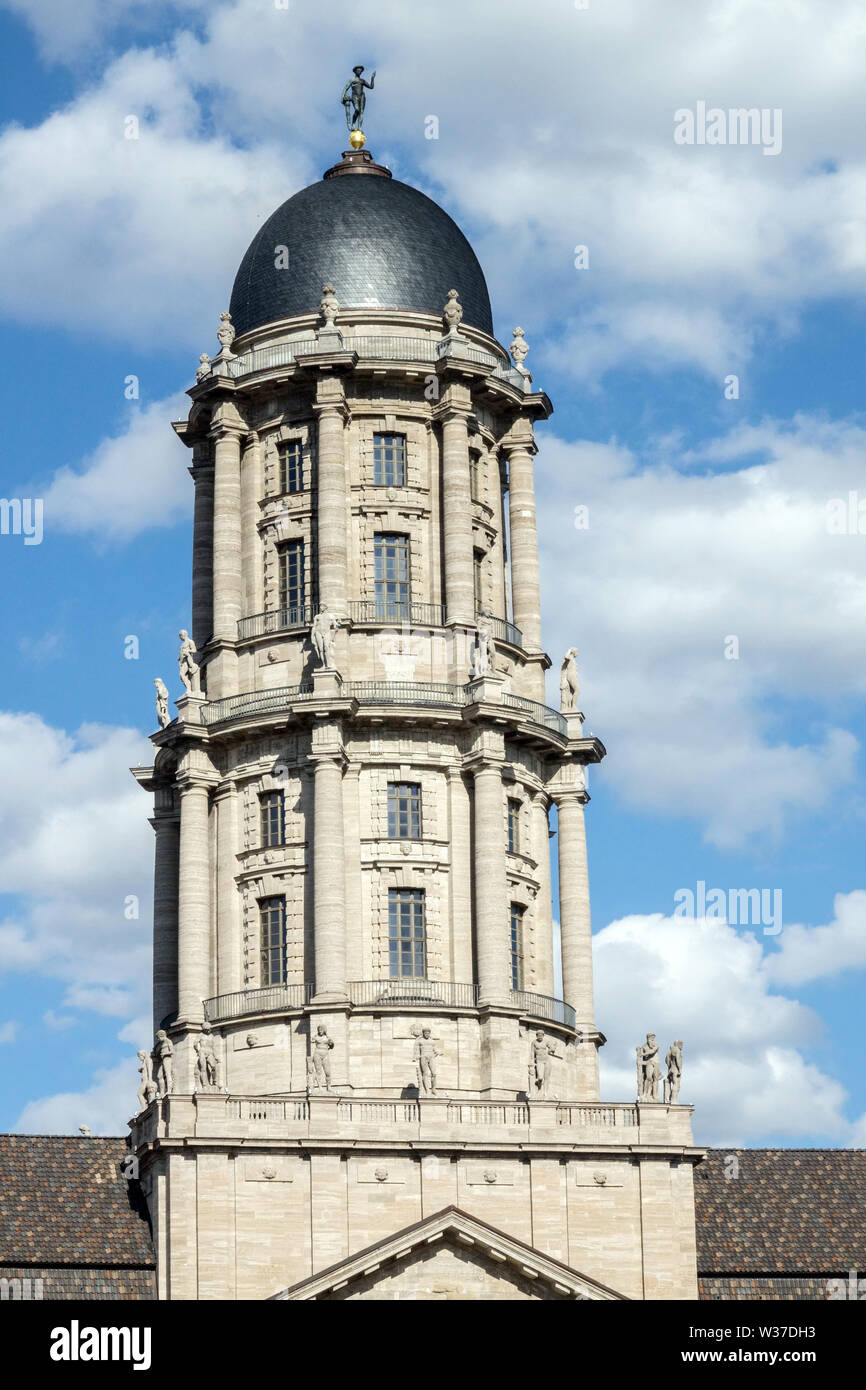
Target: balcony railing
x=270, y=1000
x=277, y=620
x=411, y=993
x=387, y=347
x=543, y=1006
x=396, y=611
x=542, y=715
x=254, y=702
x=404, y=693
x=502, y=630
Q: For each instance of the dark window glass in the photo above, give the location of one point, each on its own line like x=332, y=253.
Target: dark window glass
x=391, y=576
x=513, y=826
x=273, y=819
x=272, y=917
x=404, y=811
x=516, y=946
x=292, y=581
x=406, y=935
x=389, y=460
x=291, y=466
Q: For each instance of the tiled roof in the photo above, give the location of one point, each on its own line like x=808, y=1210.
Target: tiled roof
x=63, y=1201
x=785, y=1211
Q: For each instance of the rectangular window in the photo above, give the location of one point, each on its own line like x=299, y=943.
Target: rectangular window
x=513, y=825
x=292, y=581
x=272, y=917
x=475, y=475
x=291, y=466
x=406, y=936
x=404, y=811
x=273, y=819
x=477, y=560
x=389, y=460
x=516, y=946
x=391, y=576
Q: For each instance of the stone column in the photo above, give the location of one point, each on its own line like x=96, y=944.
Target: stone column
x=332, y=530
x=457, y=518
x=227, y=576
x=165, y=907
x=252, y=492
x=492, y=949
x=329, y=882
x=228, y=904
x=574, y=916
x=193, y=947
x=543, y=907
x=525, y=590
x=202, y=552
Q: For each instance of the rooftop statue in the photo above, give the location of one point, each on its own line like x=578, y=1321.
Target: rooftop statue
x=355, y=97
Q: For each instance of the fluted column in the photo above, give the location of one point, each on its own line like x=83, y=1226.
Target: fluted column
x=523, y=536
x=332, y=532
x=228, y=920
x=202, y=553
x=329, y=881
x=457, y=518
x=193, y=946
x=227, y=571
x=574, y=918
x=492, y=945
x=165, y=912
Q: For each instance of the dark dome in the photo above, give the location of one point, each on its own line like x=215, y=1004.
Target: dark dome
x=379, y=242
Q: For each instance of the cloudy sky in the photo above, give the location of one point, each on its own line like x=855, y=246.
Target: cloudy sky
x=696, y=312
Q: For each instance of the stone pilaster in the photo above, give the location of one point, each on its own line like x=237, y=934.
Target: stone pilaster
x=228, y=920
x=165, y=912
x=329, y=882
x=252, y=491
x=543, y=907
x=202, y=548
x=523, y=538
x=227, y=575
x=457, y=515
x=193, y=954
x=574, y=917
x=332, y=529
x=491, y=907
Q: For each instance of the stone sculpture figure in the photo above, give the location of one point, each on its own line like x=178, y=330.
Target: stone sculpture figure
x=322, y=632
x=329, y=306
x=674, y=1064
x=225, y=333
x=147, y=1089
x=162, y=715
x=354, y=98
x=481, y=654
x=649, y=1070
x=541, y=1055
x=203, y=368
x=426, y=1055
x=569, y=686
x=321, y=1045
x=187, y=661
x=519, y=347
x=200, y=1065
x=452, y=313
x=164, y=1054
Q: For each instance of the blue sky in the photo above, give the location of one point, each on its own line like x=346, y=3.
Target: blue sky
x=707, y=516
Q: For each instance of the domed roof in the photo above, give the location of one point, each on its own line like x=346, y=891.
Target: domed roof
x=379, y=242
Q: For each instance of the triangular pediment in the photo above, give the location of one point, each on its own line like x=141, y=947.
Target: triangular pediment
x=449, y=1256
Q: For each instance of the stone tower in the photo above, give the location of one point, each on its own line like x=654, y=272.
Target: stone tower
x=354, y=979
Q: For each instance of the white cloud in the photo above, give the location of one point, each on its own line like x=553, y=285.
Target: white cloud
x=747, y=1069
x=8, y=1031
x=104, y=1107
x=64, y=31
x=683, y=551
x=815, y=953
x=132, y=480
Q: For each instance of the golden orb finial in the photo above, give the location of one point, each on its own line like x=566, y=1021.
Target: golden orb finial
x=357, y=139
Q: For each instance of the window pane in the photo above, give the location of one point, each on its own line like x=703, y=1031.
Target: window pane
x=292, y=580
x=272, y=918
x=391, y=575
x=513, y=826
x=273, y=818
x=389, y=460
x=404, y=811
x=516, y=946
x=406, y=933
x=291, y=466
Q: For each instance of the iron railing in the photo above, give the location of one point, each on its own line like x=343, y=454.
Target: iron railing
x=254, y=702
x=404, y=693
x=502, y=630
x=397, y=611
x=277, y=620
x=271, y=999
x=411, y=993
x=543, y=1006
x=542, y=715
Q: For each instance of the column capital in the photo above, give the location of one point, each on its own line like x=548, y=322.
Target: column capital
x=567, y=796
x=519, y=439
x=222, y=430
